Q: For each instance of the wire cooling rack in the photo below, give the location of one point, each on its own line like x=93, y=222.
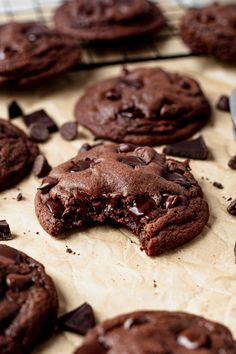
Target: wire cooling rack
x=167, y=44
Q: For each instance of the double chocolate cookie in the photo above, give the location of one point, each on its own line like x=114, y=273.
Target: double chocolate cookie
x=211, y=30
x=31, y=52
x=157, y=199
x=101, y=20
x=144, y=107
x=17, y=154
x=28, y=303
x=159, y=332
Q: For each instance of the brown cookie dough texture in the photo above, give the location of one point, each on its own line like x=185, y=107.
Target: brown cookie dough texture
x=31, y=52
x=157, y=199
x=100, y=20
x=28, y=303
x=146, y=106
x=17, y=154
x=158, y=332
x=211, y=30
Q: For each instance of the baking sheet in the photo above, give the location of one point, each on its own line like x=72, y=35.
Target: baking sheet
x=108, y=270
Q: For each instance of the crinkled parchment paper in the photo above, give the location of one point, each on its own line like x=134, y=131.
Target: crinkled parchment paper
x=109, y=271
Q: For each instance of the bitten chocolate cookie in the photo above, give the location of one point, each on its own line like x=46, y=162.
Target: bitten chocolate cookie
x=101, y=20
x=144, y=107
x=17, y=154
x=160, y=332
x=211, y=30
x=155, y=198
x=28, y=303
x=31, y=52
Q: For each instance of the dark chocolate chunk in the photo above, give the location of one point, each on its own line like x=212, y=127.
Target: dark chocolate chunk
x=130, y=112
x=38, y=132
x=131, y=322
x=19, y=197
x=132, y=161
x=232, y=162
x=192, y=338
x=68, y=131
x=41, y=167
x=232, y=208
x=55, y=207
x=47, y=184
x=193, y=149
x=172, y=201
x=18, y=282
x=178, y=178
x=14, y=110
x=143, y=206
x=218, y=185
x=85, y=147
x=223, y=103
x=5, y=232
x=126, y=147
x=79, y=321
x=81, y=165
x=43, y=118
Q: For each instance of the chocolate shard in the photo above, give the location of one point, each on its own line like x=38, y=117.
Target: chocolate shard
x=5, y=232
x=232, y=208
x=14, y=110
x=41, y=167
x=69, y=131
x=232, y=162
x=41, y=117
x=193, y=149
x=79, y=321
x=38, y=132
x=223, y=103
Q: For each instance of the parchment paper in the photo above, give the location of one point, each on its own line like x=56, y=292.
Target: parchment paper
x=110, y=272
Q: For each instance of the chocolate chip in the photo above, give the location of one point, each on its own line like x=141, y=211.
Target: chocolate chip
x=130, y=112
x=79, y=321
x=192, y=338
x=14, y=110
x=41, y=117
x=126, y=148
x=38, y=132
x=232, y=208
x=178, y=178
x=113, y=95
x=232, y=162
x=19, y=197
x=85, y=147
x=132, y=161
x=223, y=103
x=81, y=165
x=5, y=232
x=172, y=201
x=143, y=206
x=193, y=149
x=47, y=184
x=131, y=322
x=41, y=167
x=218, y=185
x=68, y=131
x=18, y=282
x=55, y=207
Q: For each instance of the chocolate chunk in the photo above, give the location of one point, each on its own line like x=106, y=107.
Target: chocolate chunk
x=126, y=147
x=192, y=338
x=172, y=201
x=41, y=167
x=131, y=82
x=43, y=118
x=5, y=232
x=223, y=103
x=79, y=320
x=132, y=161
x=19, y=197
x=85, y=147
x=47, y=184
x=131, y=322
x=232, y=162
x=218, y=185
x=143, y=206
x=130, y=112
x=14, y=110
x=178, y=178
x=55, y=207
x=68, y=131
x=38, y=132
x=81, y=165
x=113, y=95
x=193, y=149
x=18, y=282
x=232, y=208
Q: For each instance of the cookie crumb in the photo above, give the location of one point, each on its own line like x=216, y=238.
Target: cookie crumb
x=19, y=197
x=218, y=185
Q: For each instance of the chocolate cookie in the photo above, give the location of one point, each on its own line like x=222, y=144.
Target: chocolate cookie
x=31, y=52
x=163, y=332
x=155, y=198
x=211, y=30
x=17, y=154
x=144, y=107
x=28, y=303
x=101, y=20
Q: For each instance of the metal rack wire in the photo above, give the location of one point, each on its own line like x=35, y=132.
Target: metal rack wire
x=167, y=44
